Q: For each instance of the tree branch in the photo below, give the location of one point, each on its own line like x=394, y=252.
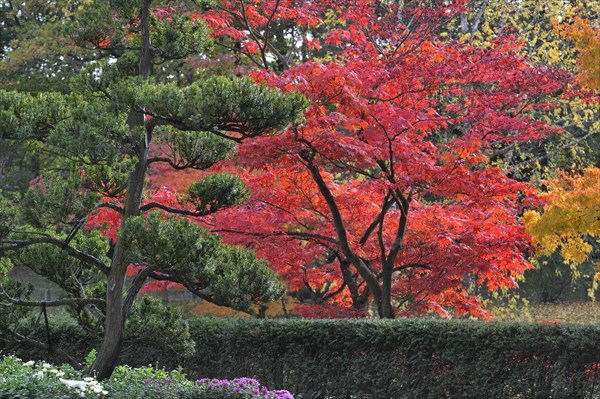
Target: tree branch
x=295, y=234
x=152, y=205
x=58, y=302
x=412, y=266
x=37, y=344
x=134, y=289
x=14, y=245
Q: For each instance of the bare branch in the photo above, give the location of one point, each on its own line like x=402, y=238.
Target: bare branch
x=294, y=234
x=178, y=211
x=40, y=345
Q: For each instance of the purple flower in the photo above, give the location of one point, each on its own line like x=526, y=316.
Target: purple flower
x=282, y=394
x=244, y=388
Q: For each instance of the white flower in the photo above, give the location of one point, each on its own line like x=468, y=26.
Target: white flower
x=39, y=375
x=29, y=363
x=104, y=392
x=88, y=379
x=73, y=383
x=53, y=371
x=60, y=374
x=46, y=365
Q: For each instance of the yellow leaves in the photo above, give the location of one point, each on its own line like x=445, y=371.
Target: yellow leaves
x=553, y=55
x=572, y=213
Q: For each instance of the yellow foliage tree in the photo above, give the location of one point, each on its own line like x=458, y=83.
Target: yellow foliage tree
x=587, y=43
x=571, y=213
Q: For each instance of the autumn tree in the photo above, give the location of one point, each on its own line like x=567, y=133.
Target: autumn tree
x=587, y=42
x=385, y=194
x=100, y=137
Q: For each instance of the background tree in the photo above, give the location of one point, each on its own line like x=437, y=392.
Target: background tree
x=34, y=57
x=101, y=138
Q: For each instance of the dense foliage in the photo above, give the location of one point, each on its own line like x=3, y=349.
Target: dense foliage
x=384, y=162
x=391, y=199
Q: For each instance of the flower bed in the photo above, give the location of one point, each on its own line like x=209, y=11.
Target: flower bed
x=35, y=380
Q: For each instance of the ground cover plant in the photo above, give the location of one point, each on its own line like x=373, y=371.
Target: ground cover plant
x=37, y=380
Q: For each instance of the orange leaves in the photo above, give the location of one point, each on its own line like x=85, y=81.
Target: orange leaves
x=104, y=42
x=312, y=44
x=108, y=220
x=587, y=42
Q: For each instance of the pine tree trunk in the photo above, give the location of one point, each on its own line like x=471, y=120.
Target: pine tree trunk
x=114, y=326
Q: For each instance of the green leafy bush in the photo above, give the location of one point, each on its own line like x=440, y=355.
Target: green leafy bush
x=410, y=358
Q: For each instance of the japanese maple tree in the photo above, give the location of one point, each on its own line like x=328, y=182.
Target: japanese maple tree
x=385, y=193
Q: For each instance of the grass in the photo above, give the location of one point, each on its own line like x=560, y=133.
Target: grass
x=565, y=312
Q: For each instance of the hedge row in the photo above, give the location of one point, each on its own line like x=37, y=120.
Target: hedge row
x=403, y=358
x=413, y=358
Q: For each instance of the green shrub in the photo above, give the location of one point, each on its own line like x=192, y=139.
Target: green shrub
x=411, y=358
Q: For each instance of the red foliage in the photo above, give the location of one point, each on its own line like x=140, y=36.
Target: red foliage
x=410, y=120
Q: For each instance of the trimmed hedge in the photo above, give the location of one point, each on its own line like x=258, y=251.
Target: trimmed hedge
x=413, y=358
x=409, y=358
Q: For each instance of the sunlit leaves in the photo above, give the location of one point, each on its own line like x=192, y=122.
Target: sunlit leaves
x=587, y=41
x=571, y=214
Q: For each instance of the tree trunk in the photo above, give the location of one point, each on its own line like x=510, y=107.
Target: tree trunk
x=386, y=308
x=114, y=326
